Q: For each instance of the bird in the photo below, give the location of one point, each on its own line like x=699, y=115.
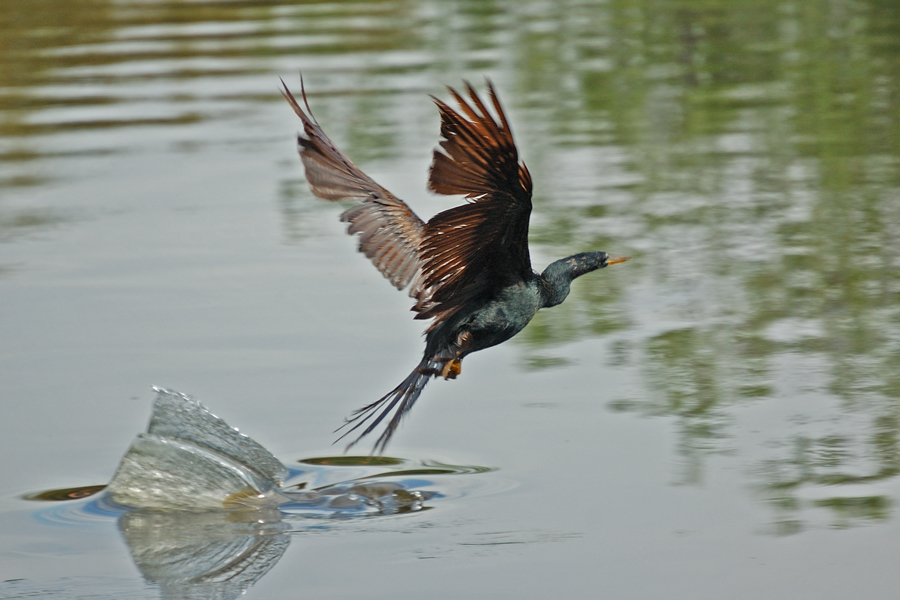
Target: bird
x=468, y=268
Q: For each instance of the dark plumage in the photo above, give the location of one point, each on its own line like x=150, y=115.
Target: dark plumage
x=468, y=268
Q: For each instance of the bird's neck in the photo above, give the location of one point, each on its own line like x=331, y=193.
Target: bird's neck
x=558, y=276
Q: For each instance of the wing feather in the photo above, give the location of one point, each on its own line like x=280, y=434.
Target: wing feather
x=471, y=250
x=461, y=254
x=386, y=226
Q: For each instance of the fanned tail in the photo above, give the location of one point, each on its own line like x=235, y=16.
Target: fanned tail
x=399, y=401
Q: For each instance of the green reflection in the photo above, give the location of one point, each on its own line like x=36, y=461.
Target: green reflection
x=399, y=466
x=73, y=68
x=353, y=461
x=763, y=142
x=75, y=493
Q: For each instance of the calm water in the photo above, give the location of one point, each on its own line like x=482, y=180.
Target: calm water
x=719, y=417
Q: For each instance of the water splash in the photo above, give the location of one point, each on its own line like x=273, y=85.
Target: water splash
x=206, y=511
x=191, y=459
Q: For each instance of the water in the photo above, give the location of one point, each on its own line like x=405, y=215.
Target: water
x=718, y=417
x=206, y=511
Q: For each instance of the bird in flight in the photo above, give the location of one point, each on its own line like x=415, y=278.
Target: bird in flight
x=468, y=268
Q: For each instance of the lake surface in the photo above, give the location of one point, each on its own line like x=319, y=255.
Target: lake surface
x=718, y=418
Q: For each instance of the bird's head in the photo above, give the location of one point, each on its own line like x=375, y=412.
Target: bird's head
x=558, y=275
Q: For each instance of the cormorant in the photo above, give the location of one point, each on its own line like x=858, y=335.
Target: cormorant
x=468, y=268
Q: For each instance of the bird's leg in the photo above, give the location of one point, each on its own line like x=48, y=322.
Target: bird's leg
x=452, y=368
x=447, y=367
x=449, y=358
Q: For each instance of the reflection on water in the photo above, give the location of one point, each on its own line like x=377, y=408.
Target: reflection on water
x=747, y=155
x=63, y=494
x=203, y=555
x=768, y=205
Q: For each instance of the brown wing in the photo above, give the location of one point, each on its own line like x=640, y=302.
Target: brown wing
x=389, y=232
x=473, y=249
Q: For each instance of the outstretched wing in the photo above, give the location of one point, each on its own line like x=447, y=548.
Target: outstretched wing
x=389, y=232
x=473, y=249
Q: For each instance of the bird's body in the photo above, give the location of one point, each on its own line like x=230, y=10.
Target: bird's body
x=468, y=268
x=489, y=321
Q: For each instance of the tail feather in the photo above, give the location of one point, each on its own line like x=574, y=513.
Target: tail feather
x=399, y=401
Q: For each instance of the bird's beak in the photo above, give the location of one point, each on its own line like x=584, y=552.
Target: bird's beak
x=617, y=260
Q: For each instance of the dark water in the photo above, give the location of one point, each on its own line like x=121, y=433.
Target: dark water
x=719, y=417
